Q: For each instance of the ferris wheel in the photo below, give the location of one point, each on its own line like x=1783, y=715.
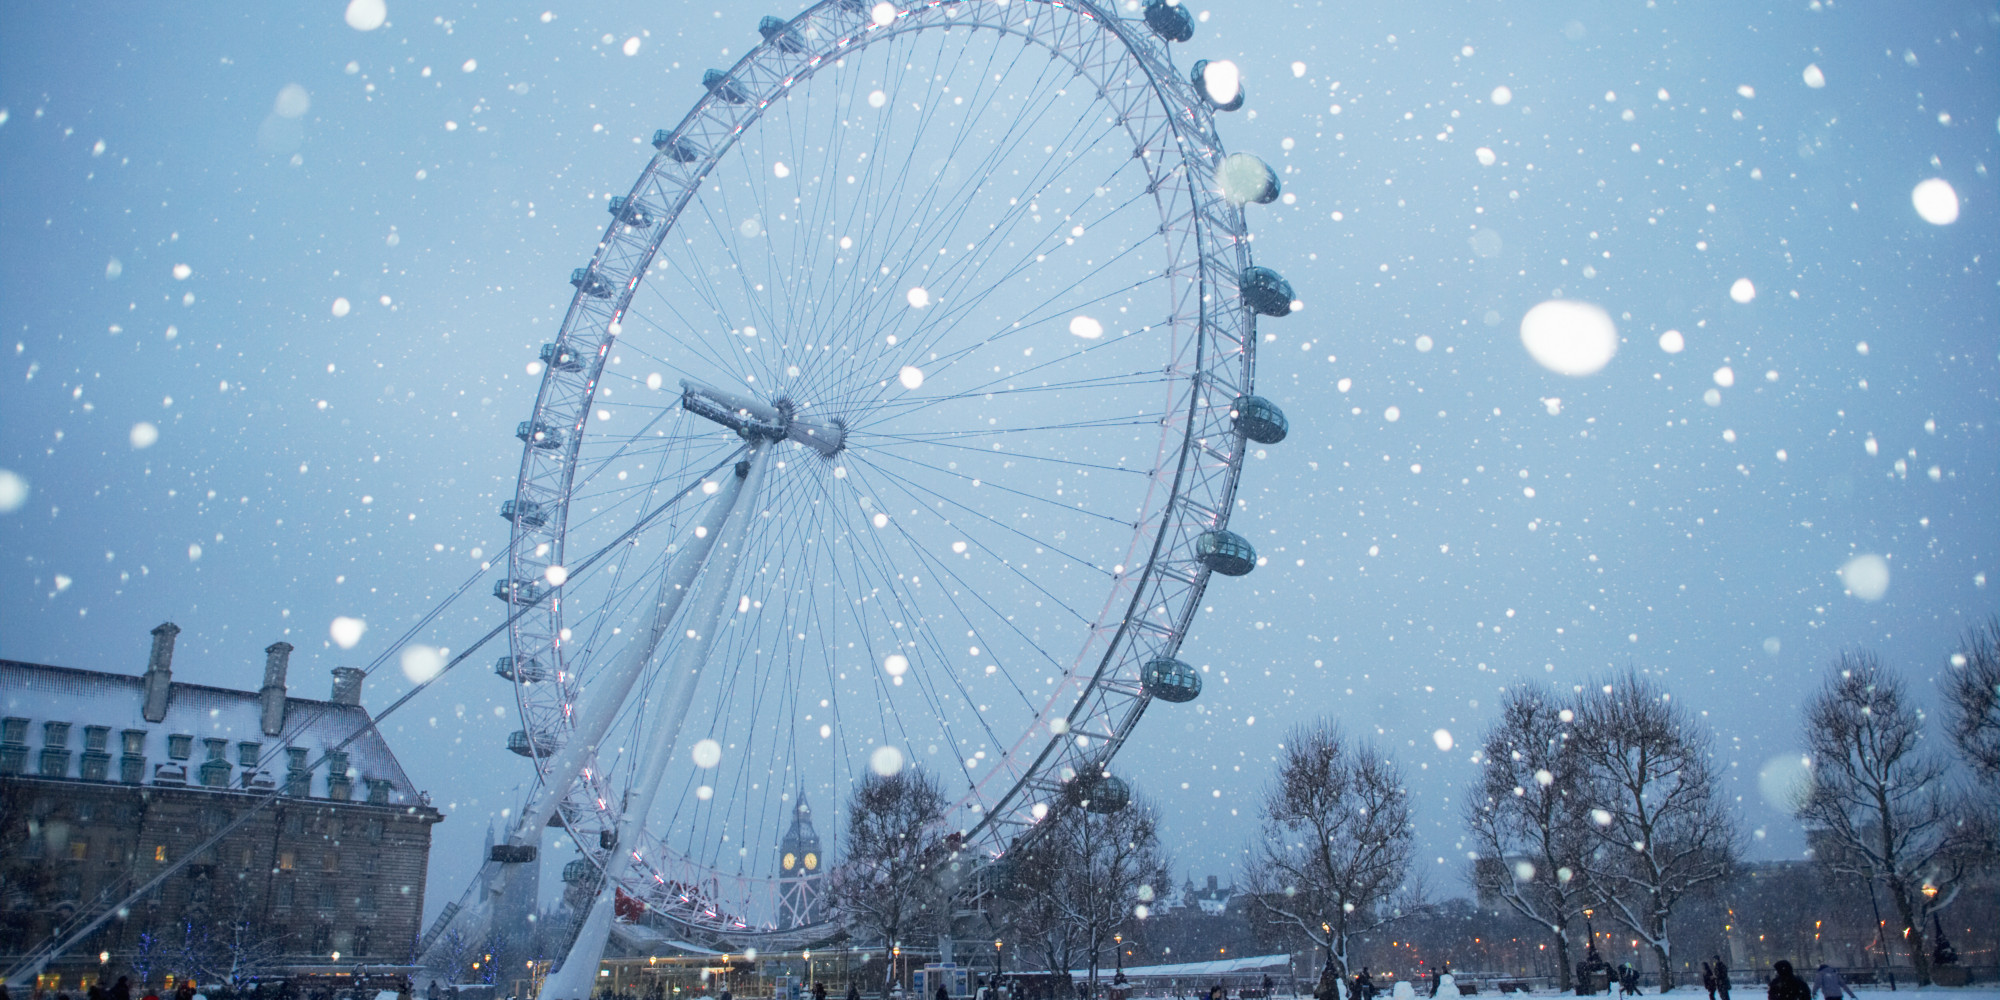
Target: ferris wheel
x=911, y=381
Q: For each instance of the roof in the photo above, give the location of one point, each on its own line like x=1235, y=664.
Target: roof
x=1217, y=967
x=44, y=693
x=1213, y=967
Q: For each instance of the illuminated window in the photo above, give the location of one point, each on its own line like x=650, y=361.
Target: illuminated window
x=160, y=852
x=287, y=860
x=79, y=850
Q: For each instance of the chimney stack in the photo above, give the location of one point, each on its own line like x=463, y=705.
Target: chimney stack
x=1211, y=883
x=277, y=659
x=347, y=685
x=160, y=671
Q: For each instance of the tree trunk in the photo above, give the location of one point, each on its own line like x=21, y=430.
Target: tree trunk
x=1562, y=960
x=1666, y=969
x=1913, y=931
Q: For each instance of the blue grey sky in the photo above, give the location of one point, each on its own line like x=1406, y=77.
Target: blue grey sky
x=272, y=285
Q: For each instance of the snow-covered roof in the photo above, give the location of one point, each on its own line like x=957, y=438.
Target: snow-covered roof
x=1213, y=967
x=42, y=693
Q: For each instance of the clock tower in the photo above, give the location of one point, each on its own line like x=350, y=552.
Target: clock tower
x=801, y=869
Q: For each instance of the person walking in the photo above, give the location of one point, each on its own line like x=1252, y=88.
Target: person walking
x=1721, y=978
x=1828, y=982
x=1786, y=984
x=122, y=989
x=1708, y=979
x=853, y=991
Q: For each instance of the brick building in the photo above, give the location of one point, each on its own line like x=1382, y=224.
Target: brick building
x=106, y=780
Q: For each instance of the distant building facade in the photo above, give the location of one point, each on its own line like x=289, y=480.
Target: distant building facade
x=1211, y=899
x=107, y=780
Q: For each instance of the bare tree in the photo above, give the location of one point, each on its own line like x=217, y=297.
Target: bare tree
x=1080, y=880
x=1972, y=701
x=1528, y=817
x=1879, y=798
x=1336, y=843
x=887, y=884
x=1657, y=818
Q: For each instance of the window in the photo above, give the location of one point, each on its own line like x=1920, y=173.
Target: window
x=180, y=746
x=374, y=831
x=295, y=824
x=217, y=749
x=134, y=740
x=287, y=860
x=55, y=734
x=322, y=938
x=364, y=902
x=330, y=861
x=96, y=738
x=247, y=753
x=79, y=849
x=329, y=895
x=286, y=891
x=361, y=936
x=13, y=730
x=159, y=852
x=378, y=791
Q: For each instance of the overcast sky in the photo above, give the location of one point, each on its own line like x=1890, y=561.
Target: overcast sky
x=272, y=287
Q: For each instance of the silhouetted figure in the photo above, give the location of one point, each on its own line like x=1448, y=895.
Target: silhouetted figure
x=1786, y=985
x=1721, y=978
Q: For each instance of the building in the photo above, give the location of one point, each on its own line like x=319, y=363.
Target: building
x=1211, y=899
x=110, y=780
x=801, y=869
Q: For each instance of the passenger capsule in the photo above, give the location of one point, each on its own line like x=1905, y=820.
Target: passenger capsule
x=680, y=150
x=775, y=31
x=630, y=212
x=1170, y=680
x=589, y=283
x=1225, y=552
x=527, y=671
x=580, y=870
x=561, y=358
x=517, y=591
x=1218, y=83
x=1170, y=20
x=539, y=434
x=1244, y=179
x=1259, y=419
x=1102, y=794
x=1264, y=291
x=519, y=742
x=524, y=512
x=719, y=84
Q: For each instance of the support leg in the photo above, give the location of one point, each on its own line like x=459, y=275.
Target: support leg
x=708, y=614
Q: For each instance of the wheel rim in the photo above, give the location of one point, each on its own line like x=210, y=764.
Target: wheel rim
x=674, y=293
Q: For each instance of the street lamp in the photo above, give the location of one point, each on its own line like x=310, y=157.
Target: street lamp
x=1930, y=891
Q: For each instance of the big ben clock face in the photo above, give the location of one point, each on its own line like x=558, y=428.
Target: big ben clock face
x=812, y=862
x=791, y=861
